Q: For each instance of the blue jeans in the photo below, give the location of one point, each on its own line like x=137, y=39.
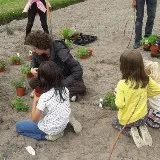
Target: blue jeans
x=30, y=129
x=151, y=12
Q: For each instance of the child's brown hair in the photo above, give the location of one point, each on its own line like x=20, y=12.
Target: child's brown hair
x=132, y=68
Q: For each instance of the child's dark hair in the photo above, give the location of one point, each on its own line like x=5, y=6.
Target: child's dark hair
x=132, y=68
x=50, y=76
x=39, y=39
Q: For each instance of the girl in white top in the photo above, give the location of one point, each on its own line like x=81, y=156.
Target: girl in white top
x=153, y=118
x=53, y=105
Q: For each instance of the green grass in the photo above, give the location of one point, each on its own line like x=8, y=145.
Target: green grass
x=12, y=9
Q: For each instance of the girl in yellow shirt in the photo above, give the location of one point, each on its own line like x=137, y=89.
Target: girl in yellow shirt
x=131, y=98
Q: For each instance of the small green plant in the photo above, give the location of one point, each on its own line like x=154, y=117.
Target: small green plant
x=66, y=33
x=19, y=104
x=82, y=52
x=3, y=63
x=144, y=41
x=68, y=43
x=15, y=58
x=18, y=83
x=149, y=40
x=109, y=101
x=25, y=69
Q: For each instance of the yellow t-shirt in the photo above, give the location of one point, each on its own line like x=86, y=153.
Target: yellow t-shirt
x=127, y=98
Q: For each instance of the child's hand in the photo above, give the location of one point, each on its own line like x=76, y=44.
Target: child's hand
x=34, y=71
x=35, y=99
x=134, y=4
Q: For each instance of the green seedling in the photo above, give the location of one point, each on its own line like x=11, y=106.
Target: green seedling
x=109, y=101
x=18, y=104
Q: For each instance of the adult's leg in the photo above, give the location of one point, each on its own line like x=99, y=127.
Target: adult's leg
x=77, y=88
x=43, y=19
x=151, y=13
x=30, y=129
x=139, y=20
x=31, y=16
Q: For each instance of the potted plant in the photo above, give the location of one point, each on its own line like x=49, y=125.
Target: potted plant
x=90, y=52
x=66, y=33
x=26, y=70
x=15, y=59
x=19, y=104
x=109, y=101
x=154, y=49
x=68, y=43
x=2, y=65
x=84, y=53
x=19, y=84
x=145, y=43
x=38, y=91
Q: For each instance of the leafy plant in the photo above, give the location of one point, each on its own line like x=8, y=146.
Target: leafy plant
x=68, y=43
x=82, y=52
x=18, y=83
x=15, y=58
x=3, y=63
x=19, y=104
x=149, y=40
x=66, y=33
x=25, y=69
x=109, y=101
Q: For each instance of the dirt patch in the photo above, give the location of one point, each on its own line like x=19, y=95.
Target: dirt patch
x=105, y=19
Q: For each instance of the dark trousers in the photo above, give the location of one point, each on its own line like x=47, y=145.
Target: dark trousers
x=151, y=12
x=76, y=88
x=31, y=16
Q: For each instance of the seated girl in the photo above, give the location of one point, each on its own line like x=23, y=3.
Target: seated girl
x=131, y=98
x=153, y=117
x=54, y=104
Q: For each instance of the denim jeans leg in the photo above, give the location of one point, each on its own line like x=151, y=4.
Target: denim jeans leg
x=139, y=20
x=151, y=13
x=30, y=129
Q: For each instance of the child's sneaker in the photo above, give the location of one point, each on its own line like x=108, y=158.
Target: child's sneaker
x=136, y=137
x=73, y=98
x=75, y=124
x=145, y=135
x=54, y=137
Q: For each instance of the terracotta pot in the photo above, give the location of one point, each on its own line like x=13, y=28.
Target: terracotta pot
x=154, y=49
x=146, y=47
x=2, y=69
x=37, y=91
x=20, y=91
x=83, y=57
x=90, y=52
x=30, y=75
x=16, y=62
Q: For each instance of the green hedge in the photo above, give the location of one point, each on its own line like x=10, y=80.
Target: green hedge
x=13, y=12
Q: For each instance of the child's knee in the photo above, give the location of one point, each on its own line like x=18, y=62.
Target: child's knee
x=19, y=127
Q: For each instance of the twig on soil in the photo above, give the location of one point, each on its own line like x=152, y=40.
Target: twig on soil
x=114, y=144
x=132, y=29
